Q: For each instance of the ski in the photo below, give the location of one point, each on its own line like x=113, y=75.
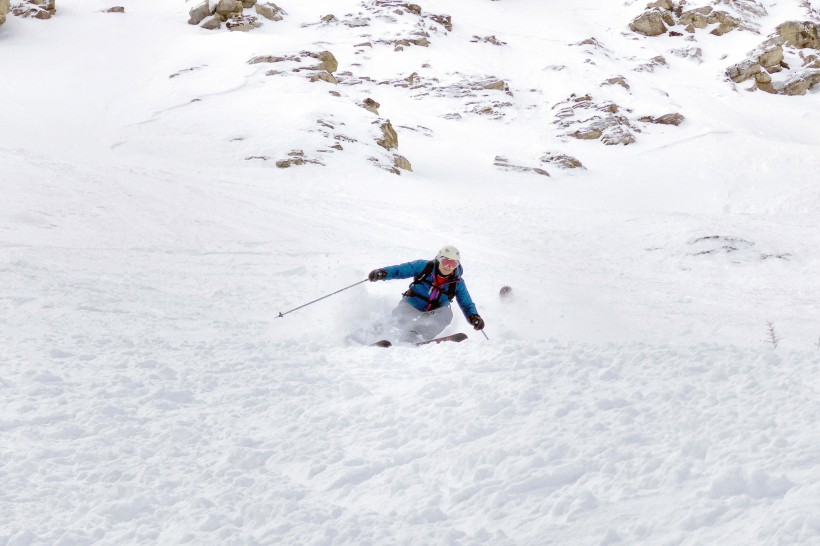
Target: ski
x=454, y=337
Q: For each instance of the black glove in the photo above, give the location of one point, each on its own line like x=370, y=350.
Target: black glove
x=476, y=321
x=377, y=275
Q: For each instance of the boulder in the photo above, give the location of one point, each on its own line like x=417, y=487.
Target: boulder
x=800, y=85
x=696, y=17
x=324, y=77
x=666, y=119
x=649, y=23
x=211, y=22
x=326, y=60
x=4, y=9
x=403, y=163
x=668, y=5
x=228, y=8
x=726, y=23
x=771, y=59
x=799, y=34
x=741, y=72
x=199, y=12
x=270, y=11
x=371, y=106
x=390, y=139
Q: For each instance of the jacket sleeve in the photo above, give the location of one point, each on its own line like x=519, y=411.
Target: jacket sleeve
x=464, y=300
x=405, y=270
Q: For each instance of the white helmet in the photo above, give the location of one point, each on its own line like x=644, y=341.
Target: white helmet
x=448, y=253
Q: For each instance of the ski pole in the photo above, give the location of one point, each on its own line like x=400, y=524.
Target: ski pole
x=485, y=334
x=281, y=314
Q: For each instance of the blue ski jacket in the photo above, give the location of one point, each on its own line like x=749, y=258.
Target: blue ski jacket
x=424, y=296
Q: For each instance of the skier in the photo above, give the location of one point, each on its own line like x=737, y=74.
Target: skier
x=424, y=310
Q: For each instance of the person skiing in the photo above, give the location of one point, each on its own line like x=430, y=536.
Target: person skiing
x=424, y=310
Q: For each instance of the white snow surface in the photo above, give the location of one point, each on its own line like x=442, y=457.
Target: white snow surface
x=629, y=393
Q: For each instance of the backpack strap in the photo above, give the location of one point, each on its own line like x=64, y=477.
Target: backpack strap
x=449, y=289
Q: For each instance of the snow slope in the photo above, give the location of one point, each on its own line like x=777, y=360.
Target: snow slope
x=627, y=393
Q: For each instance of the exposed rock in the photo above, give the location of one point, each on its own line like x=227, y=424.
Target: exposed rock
x=4, y=9
x=666, y=119
x=36, y=9
x=743, y=71
x=698, y=18
x=792, y=39
x=199, y=12
x=227, y=8
x=248, y=3
x=402, y=162
x=115, y=9
x=444, y=20
x=327, y=61
x=273, y=59
x=323, y=76
x=488, y=40
x=371, y=105
x=799, y=34
x=692, y=53
x=390, y=139
x=499, y=85
x=562, y=161
x=242, y=23
x=653, y=63
x=660, y=16
x=296, y=157
x=649, y=23
x=504, y=164
x=212, y=22
x=726, y=23
x=617, y=80
x=771, y=59
x=270, y=11
x=584, y=119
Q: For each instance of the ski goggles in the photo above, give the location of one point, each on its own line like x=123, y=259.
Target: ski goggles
x=446, y=262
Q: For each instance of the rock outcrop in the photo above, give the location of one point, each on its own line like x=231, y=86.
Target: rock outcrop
x=237, y=15
x=4, y=9
x=301, y=62
x=562, y=161
x=270, y=11
x=36, y=9
x=582, y=118
x=661, y=16
x=787, y=63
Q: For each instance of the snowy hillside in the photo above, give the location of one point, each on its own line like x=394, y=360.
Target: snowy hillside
x=168, y=190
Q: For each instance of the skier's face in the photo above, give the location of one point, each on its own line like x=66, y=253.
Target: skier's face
x=447, y=266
